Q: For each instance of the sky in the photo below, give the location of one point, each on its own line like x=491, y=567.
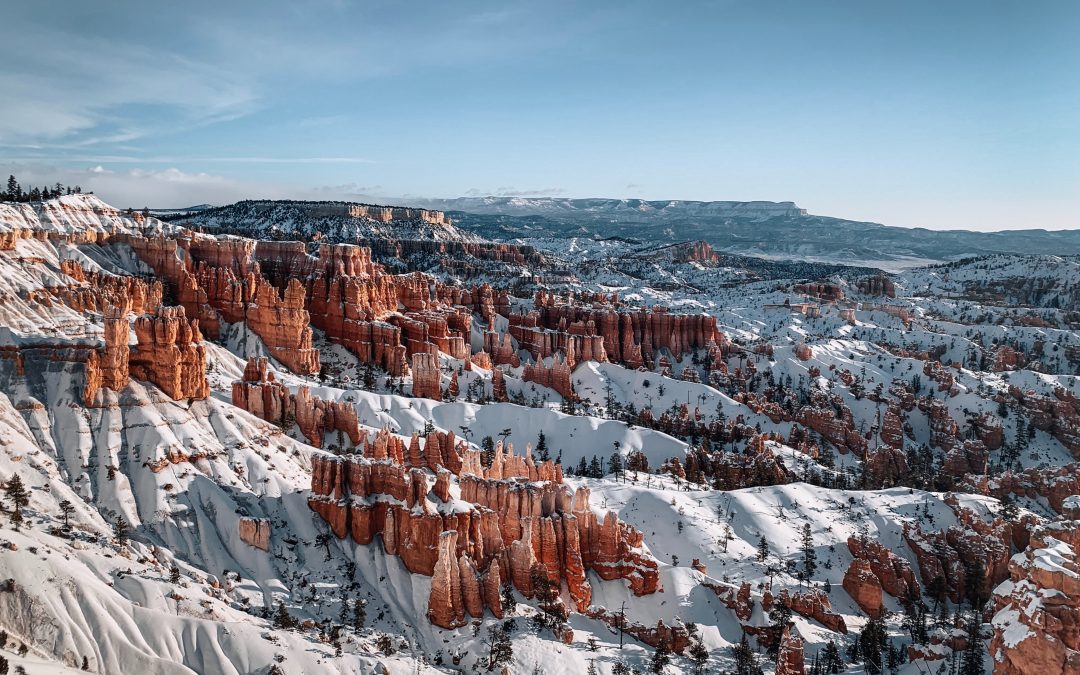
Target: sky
x=933, y=114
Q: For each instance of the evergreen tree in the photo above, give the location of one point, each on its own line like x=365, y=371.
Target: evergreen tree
x=13, y=189
x=553, y=614
x=746, y=662
x=780, y=615
x=872, y=640
x=542, y=448
x=343, y=613
x=615, y=464
x=19, y=497
x=809, y=554
x=500, y=649
x=120, y=531
x=359, y=614
x=971, y=662
x=661, y=658
x=174, y=575
x=282, y=618
x=832, y=661
x=594, y=468
x=762, y=549
x=507, y=599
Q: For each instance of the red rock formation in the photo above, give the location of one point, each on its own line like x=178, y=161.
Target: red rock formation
x=892, y=426
x=427, y=377
x=170, y=354
x=1054, y=485
x=893, y=572
x=791, y=659
x=836, y=427
x=498, y=386
x=880, y=285
x=944, y=431
x=945, y=555
x=255, y=532
x=260, y=395
x=1037, y=612
x=814, y=605
x=824, y=291
x=284, y=325
x=803, y=352
x=553, y=373
x=1058, y=415
x=523, y=519
x=863, y=586
x=676, y=638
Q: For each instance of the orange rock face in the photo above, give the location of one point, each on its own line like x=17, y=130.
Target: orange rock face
x=1037, y=611
x=170, y=354
x=260, y=395
x=427, y=377
x=893, y=572
x=522, y=520
x=790, y=660
x=815, y=605
x=555, y=374
x=255, y=532
x=944, y=555
x=863, y=586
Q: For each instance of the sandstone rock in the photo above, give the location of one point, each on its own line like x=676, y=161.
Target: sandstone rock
x=864, y=587
x=170, y=354
x=790, y=659
x=255, y=532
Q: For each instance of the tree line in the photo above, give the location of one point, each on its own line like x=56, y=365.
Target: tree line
x=16, y=193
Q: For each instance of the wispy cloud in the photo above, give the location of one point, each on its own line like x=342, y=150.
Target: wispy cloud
x=132, y=159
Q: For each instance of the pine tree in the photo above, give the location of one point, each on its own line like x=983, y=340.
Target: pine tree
x=872, y=640
x=745, y=660
x=120, y=531
x=13, y=189
x=594, y=468
x=19, y=497
x=661, y=658
x=971, y=662
x=698, y=652
x=174, y=575
x=780, y=615
x=282, y=618
x=762, y=549
x=615, y=464
x=507, y=599
x=359, y=614
x=500, y=649
x=542, y=452
x=809, y=554
x=343, y=612
x=832, y=661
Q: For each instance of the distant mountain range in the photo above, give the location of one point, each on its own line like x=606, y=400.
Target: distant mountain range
x=769, y=229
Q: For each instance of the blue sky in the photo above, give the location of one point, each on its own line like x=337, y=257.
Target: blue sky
x=935, y=114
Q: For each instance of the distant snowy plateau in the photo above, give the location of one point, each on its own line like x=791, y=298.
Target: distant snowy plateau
x=534, y=436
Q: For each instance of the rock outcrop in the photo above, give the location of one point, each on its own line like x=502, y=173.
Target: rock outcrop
x=512, y=519
x=261, y=395
x=863, y=586
x=1037, y=610
x=170, y=353
x=255, y=532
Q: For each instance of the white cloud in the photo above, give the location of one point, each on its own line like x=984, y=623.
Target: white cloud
x=173, y=188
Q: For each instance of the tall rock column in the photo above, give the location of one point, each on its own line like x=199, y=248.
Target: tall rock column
x=170, y=353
